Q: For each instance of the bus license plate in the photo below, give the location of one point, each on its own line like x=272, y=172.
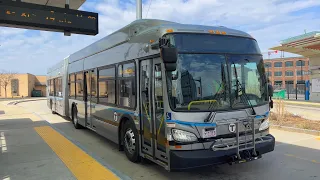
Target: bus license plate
x=208, y=133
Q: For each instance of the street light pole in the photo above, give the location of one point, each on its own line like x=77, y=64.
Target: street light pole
x=139, y=9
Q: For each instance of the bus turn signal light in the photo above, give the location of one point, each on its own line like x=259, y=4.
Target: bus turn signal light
x=169, y=30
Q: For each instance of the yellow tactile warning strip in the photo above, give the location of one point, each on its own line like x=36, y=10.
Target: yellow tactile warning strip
x=79, y=163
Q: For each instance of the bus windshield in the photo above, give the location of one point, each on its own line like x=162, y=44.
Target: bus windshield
x=206, y=81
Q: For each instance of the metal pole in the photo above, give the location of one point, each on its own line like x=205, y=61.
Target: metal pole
x=301, y=71
x=67, y=6
x=302, y=79
x=139, y=9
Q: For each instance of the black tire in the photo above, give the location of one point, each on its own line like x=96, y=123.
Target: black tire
x=75, y=119
x=128, y=130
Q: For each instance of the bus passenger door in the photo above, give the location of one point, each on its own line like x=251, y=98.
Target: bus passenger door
x=151, y=109
x=158, y=111
x=88, y=93
x=146, y=123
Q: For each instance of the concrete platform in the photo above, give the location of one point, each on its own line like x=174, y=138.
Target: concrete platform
x=24, y=155
x=30, y=148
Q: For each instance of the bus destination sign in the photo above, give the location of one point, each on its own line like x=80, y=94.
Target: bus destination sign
x=40, y=17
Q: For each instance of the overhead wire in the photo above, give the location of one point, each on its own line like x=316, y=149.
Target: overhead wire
x=148, y=8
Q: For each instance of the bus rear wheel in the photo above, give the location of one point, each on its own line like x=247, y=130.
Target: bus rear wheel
x=131, y=142
x=75, y=119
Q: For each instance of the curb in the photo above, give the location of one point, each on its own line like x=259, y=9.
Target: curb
x=26, y=100
x=309, y=104
x=298, y=130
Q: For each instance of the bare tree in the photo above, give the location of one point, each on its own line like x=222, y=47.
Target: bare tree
x=5, y=79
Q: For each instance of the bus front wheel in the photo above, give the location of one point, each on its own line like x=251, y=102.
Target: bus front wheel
x=131, y=142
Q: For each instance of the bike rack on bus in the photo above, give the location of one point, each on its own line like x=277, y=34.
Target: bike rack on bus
x=241, y=143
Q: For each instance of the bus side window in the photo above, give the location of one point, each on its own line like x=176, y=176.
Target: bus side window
x=126, y=83
x=72, y=86
x=79, y=85
x=107, y=85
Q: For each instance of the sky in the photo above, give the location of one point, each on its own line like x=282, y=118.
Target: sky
x=268, y=21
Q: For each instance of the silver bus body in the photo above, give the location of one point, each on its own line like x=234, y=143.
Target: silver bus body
x=120, y=82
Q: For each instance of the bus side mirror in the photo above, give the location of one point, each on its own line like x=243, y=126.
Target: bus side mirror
x=169, y=56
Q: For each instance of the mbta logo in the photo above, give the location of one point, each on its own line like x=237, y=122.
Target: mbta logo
x=232, y=127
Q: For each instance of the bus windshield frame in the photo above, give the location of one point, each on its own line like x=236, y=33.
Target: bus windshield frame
x=210, y=83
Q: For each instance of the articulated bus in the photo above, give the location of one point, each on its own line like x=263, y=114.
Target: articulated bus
x=180, y=95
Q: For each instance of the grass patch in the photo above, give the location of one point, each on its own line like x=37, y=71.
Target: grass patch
x=281, y=117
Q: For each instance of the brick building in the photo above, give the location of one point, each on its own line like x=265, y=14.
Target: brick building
x=22, y=85
x=284, y=72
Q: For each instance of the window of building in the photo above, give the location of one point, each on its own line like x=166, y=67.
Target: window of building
x=299, y=73
x=107, y=85
x=299, y=63
x=278, y=73
x=278, y=64
x=127, y=85
x=15, y=87
x=279, y=83
x=72, y=86
x=289, y=73
x=79, y=85
x=267, y=65
x=289, y=82
x=268, y=74
x=289, y=63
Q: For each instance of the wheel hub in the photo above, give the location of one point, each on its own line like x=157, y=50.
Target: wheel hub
x=129, y=141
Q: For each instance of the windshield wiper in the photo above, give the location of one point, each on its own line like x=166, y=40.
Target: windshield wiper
x=243, y=92
x=215, y=96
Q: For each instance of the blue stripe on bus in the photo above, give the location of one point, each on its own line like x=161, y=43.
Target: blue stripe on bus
x=262, y=116
x=192, y=123
x=120, y=111
x=206, y=124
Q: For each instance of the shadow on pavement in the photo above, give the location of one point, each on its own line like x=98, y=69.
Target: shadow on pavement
x=288, y=161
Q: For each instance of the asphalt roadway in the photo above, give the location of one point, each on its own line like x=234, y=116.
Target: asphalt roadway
x=296, y=155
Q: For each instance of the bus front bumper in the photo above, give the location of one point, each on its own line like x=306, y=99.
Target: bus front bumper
x=180, y=160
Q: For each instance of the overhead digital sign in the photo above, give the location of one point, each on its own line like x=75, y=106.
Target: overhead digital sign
x=40, y=17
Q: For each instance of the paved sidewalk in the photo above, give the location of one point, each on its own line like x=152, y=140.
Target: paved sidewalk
x=24, y=154
x=30, y=148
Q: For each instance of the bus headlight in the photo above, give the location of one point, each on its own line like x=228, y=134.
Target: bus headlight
x=183, y=136
x=264, y=125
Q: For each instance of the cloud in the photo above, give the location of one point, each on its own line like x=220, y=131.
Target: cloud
x=269, y=21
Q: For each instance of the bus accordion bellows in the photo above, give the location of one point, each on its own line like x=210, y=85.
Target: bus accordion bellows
x=180, y=95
